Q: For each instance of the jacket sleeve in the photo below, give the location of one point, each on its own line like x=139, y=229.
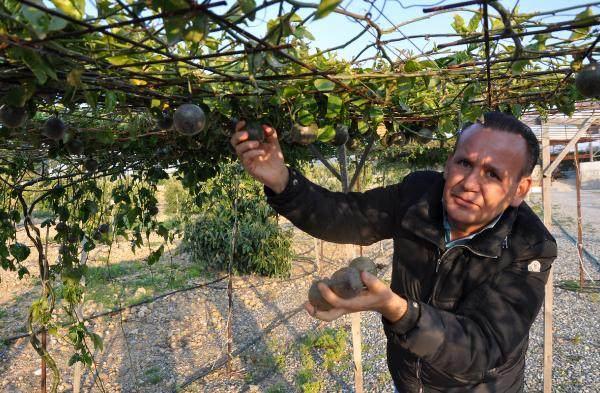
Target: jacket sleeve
x=492, y=324
x=356, y=218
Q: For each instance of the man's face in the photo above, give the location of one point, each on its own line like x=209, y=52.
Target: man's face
x=483, y=177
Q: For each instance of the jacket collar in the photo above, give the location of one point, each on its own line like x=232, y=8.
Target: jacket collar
x=425, y=219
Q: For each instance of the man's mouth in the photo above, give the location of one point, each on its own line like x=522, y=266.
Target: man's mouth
x=464, y=202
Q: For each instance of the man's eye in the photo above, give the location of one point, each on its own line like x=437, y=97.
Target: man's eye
x=493, y=175
x=464, y=163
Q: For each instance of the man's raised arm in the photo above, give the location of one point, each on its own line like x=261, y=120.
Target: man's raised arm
x=358, y=218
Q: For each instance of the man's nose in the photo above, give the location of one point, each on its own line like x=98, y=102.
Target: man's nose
x=471, y=181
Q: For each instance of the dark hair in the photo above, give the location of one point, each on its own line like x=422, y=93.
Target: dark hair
x=500, y=121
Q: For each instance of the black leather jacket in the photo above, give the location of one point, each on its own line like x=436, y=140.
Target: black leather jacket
x=470, y=306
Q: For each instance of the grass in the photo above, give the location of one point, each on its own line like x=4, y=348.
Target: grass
x=153, y=375
x=279, y=387
x=3, y=314
x=108, y=283
x=328, y=347
x=265, y=361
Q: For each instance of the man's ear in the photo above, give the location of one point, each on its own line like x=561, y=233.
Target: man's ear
x=522, y=191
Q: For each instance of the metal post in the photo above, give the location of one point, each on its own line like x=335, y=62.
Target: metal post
x=548, y=290
x=579, y=221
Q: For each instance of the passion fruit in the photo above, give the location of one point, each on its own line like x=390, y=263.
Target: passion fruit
x=304, y=135
x=12, y=116
x=316, y=299
x=54, y=128
x=90, y=165
x=61, y=226
x=189, y=119
x=75, y=146
x=341, y=135
x=346, y=282
x=587, y=81
x=364, y=264
x=255, y=131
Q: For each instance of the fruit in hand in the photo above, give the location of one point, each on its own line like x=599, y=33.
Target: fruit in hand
x=364, y=264
x=255, y=131
x=74, y=146
x=346, y=282
x=341, y=135
x=587, y=81
x=12, y=116
x=304, y=135
x=54, y=128
x=316, y=299
x=189, y=119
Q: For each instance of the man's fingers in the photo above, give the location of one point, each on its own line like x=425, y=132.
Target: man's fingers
x=330, y=296
x=251, y=154
x=240, y=125
x=270, y=133
x=243, y=147
x=372, y=283
x=238, y=138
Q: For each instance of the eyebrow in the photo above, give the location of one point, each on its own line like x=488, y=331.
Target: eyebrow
x=486, y=166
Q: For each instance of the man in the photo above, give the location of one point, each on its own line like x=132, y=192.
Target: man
x=470, y=257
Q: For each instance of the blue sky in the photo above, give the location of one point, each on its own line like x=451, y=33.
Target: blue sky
x=336, y=29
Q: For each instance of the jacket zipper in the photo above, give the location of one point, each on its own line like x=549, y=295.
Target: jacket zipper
x=437, y=269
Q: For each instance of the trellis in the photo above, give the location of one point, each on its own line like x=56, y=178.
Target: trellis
x=102, y=72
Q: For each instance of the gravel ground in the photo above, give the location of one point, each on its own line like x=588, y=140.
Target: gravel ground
x=162, y=345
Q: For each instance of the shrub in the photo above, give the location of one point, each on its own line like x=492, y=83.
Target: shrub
x=260, y=245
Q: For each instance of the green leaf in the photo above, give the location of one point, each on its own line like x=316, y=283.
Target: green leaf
x=110, y=101
x=334, y=106
x=412, y=66
x=197, y=31
x=97, y=340
x=174, y=29
x=474, y=23
x=155, y=255
x=22, y=272
x=459, y=24
x=326, y=7
x=324, y=85
x=74, y=77
x=446, y=125
x=72, y=8
x=18, y=96
x=518, y=66
x=20, y=251
x=326, y=133
x=363, y=126
x=305, y=117
x=302, y=32
x=582, y=31
x=247, y=7
x=290, y=91
x=74, y=359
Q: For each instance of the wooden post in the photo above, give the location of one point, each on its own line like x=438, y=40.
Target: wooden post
x=317, y=259
x=548, y=291
x=591, y=150
x=354, y=317
x=579, y=222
